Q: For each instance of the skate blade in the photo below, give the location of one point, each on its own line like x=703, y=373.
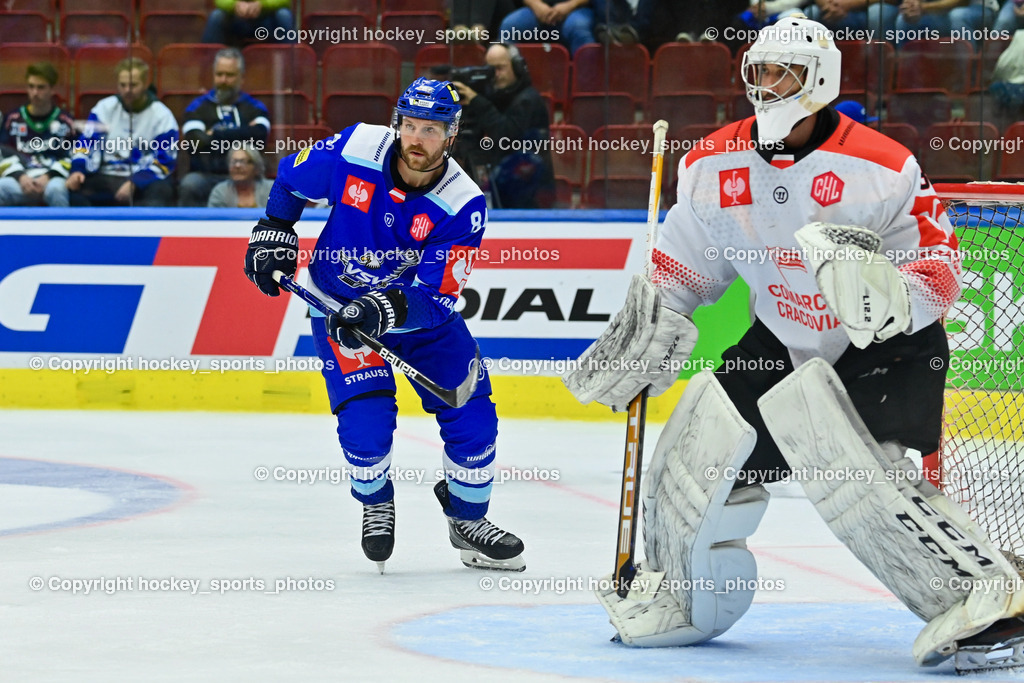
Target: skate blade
x=380, y=567
x=475, y=560
x=1006, y=655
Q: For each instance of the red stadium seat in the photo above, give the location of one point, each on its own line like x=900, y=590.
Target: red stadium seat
x=454, y=54
x=740, y=108
x=590, y=112
x=48, y=8
x=281, y=68
x=95, y=28
x=866, y=67
x=286, y=108
x=618, y=150
x=958, y=165
x=186, y=67
x=15, y=59
x=178, y=102
x=341, y=110
x=27, y=27
x=617, y=192
x=903, y=133
x=549, y=67
x=151, y=6
x=1011, y=166
x=372, y=68
x=336, y=28
x=124, y=7
x=920, y=108
x=628, y=73
x=690, y=67
x=160, y=29
x=286, y=140
x=413, y=6
x=681, y=110
x=932, y=64
x=368, y=8
x=429, y=25
x=569, y=154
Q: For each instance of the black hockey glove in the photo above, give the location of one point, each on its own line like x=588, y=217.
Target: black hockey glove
x=374, y=314
x=273, y=246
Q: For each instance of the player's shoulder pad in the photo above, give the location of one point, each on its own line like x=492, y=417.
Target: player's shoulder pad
x=859, y=141
x=455, y=189
x=366, y=145
x=729, y=138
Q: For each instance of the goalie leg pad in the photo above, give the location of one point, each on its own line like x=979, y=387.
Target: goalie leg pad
x=695, y=527
x=643, y=347
x=913, y=539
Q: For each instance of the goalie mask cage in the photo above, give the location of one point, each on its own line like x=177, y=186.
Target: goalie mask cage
x=980, y=461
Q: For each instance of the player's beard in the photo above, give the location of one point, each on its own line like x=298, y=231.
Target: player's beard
x=424, y=163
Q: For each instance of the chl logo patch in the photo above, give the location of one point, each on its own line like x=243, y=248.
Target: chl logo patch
x=421, y=227
x=358, y=193
x=827, y=189
x=734, y=187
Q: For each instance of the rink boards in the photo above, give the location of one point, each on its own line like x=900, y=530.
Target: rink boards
x=149, y=309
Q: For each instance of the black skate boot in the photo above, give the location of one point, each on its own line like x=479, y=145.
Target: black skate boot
x=481, y=544
x=379, y=532
x=1000, y=646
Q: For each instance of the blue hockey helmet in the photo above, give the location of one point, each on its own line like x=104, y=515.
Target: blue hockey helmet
x=430, y=100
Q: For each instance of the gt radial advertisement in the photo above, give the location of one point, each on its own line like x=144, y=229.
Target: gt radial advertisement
x=172, y=293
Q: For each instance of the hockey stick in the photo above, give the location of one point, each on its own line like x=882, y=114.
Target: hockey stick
x=625, y=547
x=456, y=397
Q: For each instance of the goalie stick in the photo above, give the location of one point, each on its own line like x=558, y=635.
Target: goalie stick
x=625, y=546
x=456, y=397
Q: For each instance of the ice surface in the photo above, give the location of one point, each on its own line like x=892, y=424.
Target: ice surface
x=94, y=495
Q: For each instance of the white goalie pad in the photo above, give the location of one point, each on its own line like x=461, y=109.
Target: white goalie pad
x=918, y=543
x=699, y=577
x=644, y=346
x=868, y=294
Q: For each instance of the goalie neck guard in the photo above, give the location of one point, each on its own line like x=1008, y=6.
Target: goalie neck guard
x=804, y=50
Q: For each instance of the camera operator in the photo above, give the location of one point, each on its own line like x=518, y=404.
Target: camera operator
x=504, y=107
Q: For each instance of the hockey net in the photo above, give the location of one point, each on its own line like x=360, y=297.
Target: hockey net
x=980, y=463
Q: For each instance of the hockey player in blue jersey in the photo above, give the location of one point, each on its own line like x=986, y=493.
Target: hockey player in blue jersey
x=395, y=254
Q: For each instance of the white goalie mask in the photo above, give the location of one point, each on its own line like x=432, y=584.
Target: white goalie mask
x=807, y=61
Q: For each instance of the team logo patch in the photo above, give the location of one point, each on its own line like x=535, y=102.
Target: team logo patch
x=301, y=156
x=457, y=270
x=421, y=227
x=355, y=360
x=827, y=189
x=787, y=258
x=358, y=193
x=734, y=187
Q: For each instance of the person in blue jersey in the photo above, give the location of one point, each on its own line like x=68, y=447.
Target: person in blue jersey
x=395, y=253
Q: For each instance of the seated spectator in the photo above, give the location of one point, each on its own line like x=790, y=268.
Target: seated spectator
x=508, y=109
x=235, y=22
x=478, y=21
x=618, y=23
x=539, y=22
x=856, y=15
x=1010, y=18
x=246, y=187
x=129, y=148
x=973, y=18
x=217, y=122
x=917, y=17
x=39, y=137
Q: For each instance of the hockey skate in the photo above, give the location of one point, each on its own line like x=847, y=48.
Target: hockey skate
x=379, y=532
x=481, y=544
x=1000, y=646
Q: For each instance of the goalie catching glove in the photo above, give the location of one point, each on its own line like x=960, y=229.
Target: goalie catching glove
x=373, y=314
x=643, y=347
x=868, y=294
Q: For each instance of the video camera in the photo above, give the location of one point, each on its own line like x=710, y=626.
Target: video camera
x=476, y=77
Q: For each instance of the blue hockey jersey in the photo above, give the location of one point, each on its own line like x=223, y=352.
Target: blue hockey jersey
x=379, y=237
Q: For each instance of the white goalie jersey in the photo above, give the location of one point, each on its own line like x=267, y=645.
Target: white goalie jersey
x=737, y=213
